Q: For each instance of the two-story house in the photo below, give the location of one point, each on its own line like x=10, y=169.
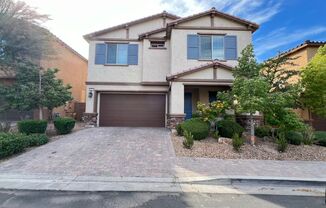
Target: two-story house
x=153, y=71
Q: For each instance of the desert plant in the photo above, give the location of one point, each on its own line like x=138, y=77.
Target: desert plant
x=32, y=126
x=188, y=141
x=64, y=125
x=178, y=128
x=308, y=136
x=263, y=131
x=281, y=142
x=237, y=142
x=227, y=128
x=294, y=137
x=197, y=127
x=5, y=126
x=215, y=135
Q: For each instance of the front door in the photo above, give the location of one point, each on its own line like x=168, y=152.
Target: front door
x=188, y=105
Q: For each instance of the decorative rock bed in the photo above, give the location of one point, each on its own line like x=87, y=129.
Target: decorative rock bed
x=263, y=150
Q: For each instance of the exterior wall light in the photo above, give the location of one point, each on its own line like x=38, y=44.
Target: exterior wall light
x=90, y=92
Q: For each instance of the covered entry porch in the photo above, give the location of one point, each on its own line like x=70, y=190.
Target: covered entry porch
x=199, y=84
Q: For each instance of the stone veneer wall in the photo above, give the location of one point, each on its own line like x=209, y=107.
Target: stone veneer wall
x=174, y=120
x=244, y=120
x=90, y=119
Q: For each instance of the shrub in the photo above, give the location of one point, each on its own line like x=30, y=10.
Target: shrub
x=64, y=125
x=282, y=143
x=237, y=142
x=37, y=139
x=227, y=128
x=11, y=143
x=196, y=115
x=263, y=131
x=32, y=126
x=179, y=130
x=5, y=126
x=188, y=141
x=197, y=127
x=308, y=136
x=321, y=138
x=215, y=135
x=293, y=137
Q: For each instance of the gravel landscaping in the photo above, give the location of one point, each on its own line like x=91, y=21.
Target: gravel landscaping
x=263, y=150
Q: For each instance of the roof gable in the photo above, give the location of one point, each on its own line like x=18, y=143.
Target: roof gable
x=214, y=65
x=215, y=13
x=163, y=14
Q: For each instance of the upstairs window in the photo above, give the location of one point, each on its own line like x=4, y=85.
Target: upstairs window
x=211, y=47
x=116, y=54
x=157, y=44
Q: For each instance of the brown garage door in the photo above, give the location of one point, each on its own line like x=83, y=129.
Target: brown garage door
x=132, y=110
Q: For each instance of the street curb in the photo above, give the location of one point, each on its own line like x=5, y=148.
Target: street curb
x=217, y=184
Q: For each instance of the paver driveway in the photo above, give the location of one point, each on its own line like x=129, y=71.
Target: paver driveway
x=100, y=152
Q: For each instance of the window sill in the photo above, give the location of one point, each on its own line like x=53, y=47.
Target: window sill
x=221, y=60
x=164, y=48
x=116, y=65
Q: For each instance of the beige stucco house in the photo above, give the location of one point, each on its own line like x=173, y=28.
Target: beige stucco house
x=301, y=56
x=153, y=71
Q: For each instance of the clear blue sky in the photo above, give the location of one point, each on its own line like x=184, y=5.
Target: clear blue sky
x=284, y=23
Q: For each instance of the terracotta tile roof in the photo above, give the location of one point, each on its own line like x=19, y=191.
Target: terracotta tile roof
x=217, y=13
x=213, y=64
x=307, y=43
x=121, y=26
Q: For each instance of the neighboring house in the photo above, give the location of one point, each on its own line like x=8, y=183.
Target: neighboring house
x=153, y=71
x=302, y=54
x=72, y=70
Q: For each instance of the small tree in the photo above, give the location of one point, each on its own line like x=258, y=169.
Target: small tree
x=54, y=92
x=314, y=83
x=24, y=94
x=249, y=88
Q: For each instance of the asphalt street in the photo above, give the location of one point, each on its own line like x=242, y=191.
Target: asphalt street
x=53, y=199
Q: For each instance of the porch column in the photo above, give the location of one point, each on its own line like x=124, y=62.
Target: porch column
x=176, y=101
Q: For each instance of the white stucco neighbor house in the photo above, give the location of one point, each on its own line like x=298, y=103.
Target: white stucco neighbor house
x=154, y=70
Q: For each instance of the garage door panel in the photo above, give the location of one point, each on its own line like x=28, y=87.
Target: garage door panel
x=132, y=110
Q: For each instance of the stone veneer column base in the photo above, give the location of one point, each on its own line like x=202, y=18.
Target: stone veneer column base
x=174, y=119
x=244, y=120
x=90, y=119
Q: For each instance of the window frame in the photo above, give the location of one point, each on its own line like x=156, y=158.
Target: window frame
x=116, y=58
x=212, y=48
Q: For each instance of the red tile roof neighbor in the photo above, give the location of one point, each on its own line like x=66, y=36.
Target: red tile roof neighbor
x=303, y=45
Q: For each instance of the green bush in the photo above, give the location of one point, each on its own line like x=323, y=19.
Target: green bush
x=179, y=130
x=198, y=128
x=321, y=138
x=237, y=142
x=227, y=128
x=282, y=143
x=11, y=143
x=263, y=131
x=37, y=139
x=32, y=126
x=293, y=137
x=188, y=142
x=195, y=115
x=64, y=125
